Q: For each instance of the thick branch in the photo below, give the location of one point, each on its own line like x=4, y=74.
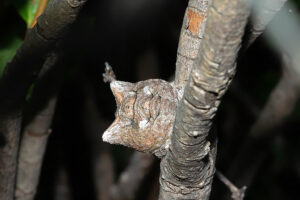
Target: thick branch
x=187, y=169
x=19, y=75
x=25, y=66
x=192, y=31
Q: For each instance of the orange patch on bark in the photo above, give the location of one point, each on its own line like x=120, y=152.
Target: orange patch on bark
x=195, y=20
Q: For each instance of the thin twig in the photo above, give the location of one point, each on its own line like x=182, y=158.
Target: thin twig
x=236, y=193
x=131, y=178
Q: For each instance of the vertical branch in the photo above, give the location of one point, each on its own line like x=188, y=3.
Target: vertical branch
x=188, y=168
x=192, y=31
x=35, y=136
x=19, y=74
x=104, y=172
x=29, y=166
x=103, y=165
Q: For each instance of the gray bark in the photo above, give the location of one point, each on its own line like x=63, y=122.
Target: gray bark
x=188, y=168
x=36, y=132
x=29, y=165
x=191, y=35
x=19, y=74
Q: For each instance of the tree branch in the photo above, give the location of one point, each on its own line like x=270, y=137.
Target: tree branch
x=278, y=107
x=188, y=167
x=19, y=74
x=236, y=193
x=191, y=35
x=35, y=134
x=130, y=179
x=264, y=11
x=280, y=104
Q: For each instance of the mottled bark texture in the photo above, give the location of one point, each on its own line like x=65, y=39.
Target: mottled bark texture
x=188, y=168
x=263, y=12
x=19, y=75
x=36, y=132
x=192, y=31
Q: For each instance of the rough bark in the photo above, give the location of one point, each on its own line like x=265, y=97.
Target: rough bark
x=188, y=168
x=36, y=132
x=18, y=76
x=264, y=11
x=191, y=35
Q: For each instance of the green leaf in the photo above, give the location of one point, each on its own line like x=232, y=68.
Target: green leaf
x=8, y=48
x=29, y=92
x=27, y=9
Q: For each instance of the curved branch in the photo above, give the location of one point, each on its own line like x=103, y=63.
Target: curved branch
x=130, y=179
x=277, y=109
x=18, y=76
x=187, y=169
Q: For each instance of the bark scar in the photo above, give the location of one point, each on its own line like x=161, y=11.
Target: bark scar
x=194, y=21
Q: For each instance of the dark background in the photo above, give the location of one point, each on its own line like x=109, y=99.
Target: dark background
x=139, y=39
